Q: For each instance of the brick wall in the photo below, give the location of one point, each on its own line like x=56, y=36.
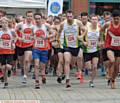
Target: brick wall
x=78, y=6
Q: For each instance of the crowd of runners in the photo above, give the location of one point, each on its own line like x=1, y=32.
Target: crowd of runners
x=63, y=41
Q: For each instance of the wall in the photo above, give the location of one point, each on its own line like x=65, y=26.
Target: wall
x=79, y=6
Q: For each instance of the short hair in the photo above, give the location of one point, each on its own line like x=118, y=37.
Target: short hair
x=63, y=15
x=60, y=15
x=115, y=13
x=93, y=15
x=37, y=14
x=84, y=14
x=28, y=12
x=69, y=11
x=3, y=12
x=56, y=17
x=50, y=16
x=106, y=13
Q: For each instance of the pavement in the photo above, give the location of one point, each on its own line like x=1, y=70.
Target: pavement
x=52, y=92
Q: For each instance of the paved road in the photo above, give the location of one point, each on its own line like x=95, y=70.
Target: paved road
x=52, y=92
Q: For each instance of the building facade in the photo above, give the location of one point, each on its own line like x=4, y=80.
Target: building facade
x=76, y=6
x=99, y=6
x=91, y=6
x=79, y=6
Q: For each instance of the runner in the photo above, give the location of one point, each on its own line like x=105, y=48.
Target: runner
x=84, y=17
x=7, y=46
x=72, y=29
x=25, y=43
x=2, y=14
x=40, y=51
x=57, y=50
x=112, y=45
x=49, y=65
x=91, y=50
x=79, y=73
x=11, y=26
x=103, y=56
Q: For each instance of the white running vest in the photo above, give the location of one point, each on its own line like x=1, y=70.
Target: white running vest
x=93, y=39
x=70, y=34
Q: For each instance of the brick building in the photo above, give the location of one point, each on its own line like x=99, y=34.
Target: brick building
x=76, y=5
x=91, y=6
x=79, y=6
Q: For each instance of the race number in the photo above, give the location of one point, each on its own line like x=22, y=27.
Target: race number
x=6, y=44
x=27, y=38
x=115, y=41
x=39, y=43
x=92, y=43
x=71, y=38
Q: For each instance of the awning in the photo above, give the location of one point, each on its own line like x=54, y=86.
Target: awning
x=24, y=3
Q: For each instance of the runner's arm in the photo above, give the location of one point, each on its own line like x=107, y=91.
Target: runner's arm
x=14, y=38
x=103, y=30
x=82, y=31
x=105, y=26
x=52, y=34
x=18, y=28
x=51, y=30
x=61, y=29
x=85, y=40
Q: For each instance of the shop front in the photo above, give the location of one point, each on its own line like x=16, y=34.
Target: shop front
x=99, y=6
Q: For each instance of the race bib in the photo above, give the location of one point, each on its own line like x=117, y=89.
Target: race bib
x=39, y=43
x=27, y=38
x=71, y=41
x=115, y=41
x=71, y=38
x=92, y=43
x=6, y=44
